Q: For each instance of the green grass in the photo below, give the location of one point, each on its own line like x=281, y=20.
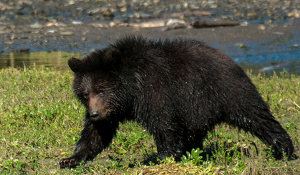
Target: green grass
x=41, y=121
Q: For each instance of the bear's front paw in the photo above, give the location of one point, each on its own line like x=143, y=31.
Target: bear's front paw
x=69, y=163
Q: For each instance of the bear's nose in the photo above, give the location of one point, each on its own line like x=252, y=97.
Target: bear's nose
x=94, y=114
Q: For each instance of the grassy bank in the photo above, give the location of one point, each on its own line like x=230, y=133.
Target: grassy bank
x=41, y=121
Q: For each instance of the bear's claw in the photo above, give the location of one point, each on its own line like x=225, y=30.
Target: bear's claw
x=68, y=163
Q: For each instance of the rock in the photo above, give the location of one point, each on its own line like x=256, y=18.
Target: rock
x=115, y=23
x=251, y=16
x=13, y=36
x=121, y=4
x=66, y=33
x=213, y=6
x=76, y=22
x=5, y=7
x=57, y=24
x=244, y=23
x=294, y=14
x=239, y=14
x=194, y=7
x=100, y=24
x=173, y=21
x=262, y=27
x=71, y=2
x=36, y=25
x=141, y=15
x=108, y=14
x=153, y=23
x=240, y=45
x=123, y=9
x=100, y=10
x=50, y=31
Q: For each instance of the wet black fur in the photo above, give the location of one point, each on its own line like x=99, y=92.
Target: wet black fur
x=177, y=89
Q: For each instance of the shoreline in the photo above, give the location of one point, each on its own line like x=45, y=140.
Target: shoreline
x=83, y=25
x=83, y=38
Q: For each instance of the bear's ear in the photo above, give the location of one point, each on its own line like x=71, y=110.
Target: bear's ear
x=109, y=59
x=74, y=64
x=110, y=56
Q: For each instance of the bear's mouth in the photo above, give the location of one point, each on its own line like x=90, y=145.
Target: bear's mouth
x=97, y=116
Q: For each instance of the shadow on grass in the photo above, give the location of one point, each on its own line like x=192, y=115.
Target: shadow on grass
x=213, y=150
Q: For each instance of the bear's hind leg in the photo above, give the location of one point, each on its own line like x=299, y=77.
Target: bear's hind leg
x=263, y=125
x=271, y=133
x=171, y=142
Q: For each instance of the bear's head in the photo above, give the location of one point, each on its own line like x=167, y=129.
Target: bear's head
x=95, y=86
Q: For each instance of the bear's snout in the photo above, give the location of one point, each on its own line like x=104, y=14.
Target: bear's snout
x=97, y=109
x=94, y=115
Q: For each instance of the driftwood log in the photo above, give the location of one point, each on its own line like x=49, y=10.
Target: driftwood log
x=206, y=23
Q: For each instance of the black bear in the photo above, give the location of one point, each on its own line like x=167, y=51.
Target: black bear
x=177, y=89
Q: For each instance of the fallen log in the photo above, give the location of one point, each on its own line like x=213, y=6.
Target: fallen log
x=206, y=23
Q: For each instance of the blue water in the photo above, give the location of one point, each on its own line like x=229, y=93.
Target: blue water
x=267, y=56
x=262, y=57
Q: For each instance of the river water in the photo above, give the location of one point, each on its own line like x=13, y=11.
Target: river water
x=263, y=57
x=56, y=59
x=267, y=56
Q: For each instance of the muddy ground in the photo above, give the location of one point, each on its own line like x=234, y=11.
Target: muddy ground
x=83, y=25
x=86, y=38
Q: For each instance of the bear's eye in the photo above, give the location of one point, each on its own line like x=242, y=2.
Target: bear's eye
x=101, y=93
x=85, y=95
